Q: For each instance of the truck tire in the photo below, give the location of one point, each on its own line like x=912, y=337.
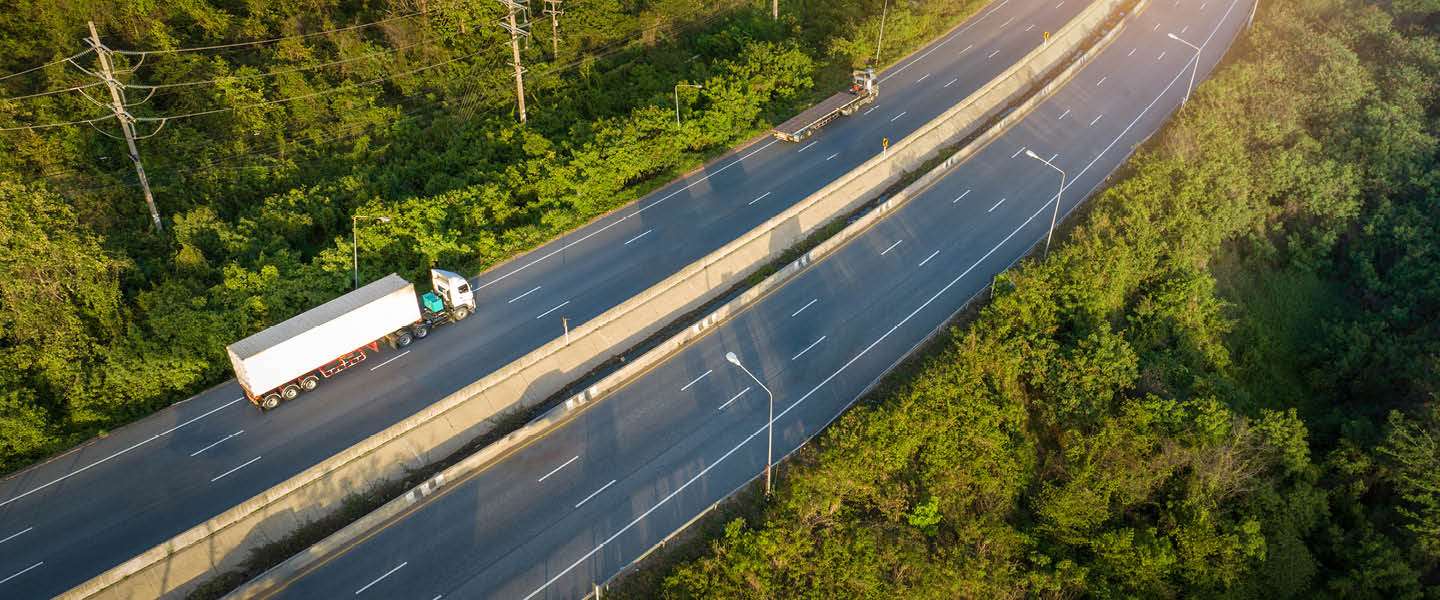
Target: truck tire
x=419, y=331
x=269, y=402
x=290, y=392
x=309, y=383
x=403, y=339
x=461, y=312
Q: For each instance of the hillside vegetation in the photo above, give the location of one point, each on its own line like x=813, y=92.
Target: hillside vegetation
x=1223, y=384
x=261, y=153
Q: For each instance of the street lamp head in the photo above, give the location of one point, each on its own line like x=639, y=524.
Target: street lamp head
x=734, y=360
x=383, y=219
x=1173, y=36
x=1031, y=154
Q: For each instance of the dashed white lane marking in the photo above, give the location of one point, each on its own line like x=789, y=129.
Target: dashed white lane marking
x=15, y=535
x=997, y=205
x=557, y=469
x=1182, y=29
x=802, y=309
x=1162, y=55
x=642, y=209
x=1017, y=152
x=1132, y=51
x=1097, y=120
x=377, y=579
x=1032, y=26
x=832, y=156
x=27, y=570
x=892, y=247
x=1202, y=6
x=736, y=397
x=438, y=596
x=1102, y=80
x=596, y=493
x=136, y=445
x=807, y=348
x=193, y=454
x=762, y=197
x=952, y=82
x=247, y=463
x=922, y=78
x=866, y=350
x=967, y=193
x=512, y=300
x=927, y=259
x=992, y=54
x=1054, y=156
x=647, y=232
x=1157, y=27
x=397, y=357
x=807, y=146
x=1062, y=115
x=967, y=48
x=973, y=22
x=553, y=309
x=870, y=110
x=1007, y=22
x=1062, y=2
x=697, y=380
x=902, y=113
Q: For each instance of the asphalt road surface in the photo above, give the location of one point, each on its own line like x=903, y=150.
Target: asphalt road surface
x=578, y=504
x=70, y=519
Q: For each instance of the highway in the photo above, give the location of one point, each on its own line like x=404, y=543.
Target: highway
x=574, y=506
x=76, y=516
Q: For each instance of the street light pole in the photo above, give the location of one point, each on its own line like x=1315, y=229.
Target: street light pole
x=885, y=10
x=1056, y=213
x=355, y=246
x=1192, y=72
x=769, y=425
x=677, y=99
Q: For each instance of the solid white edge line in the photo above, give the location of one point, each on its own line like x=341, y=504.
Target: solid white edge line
x=736, y=397
x=16, y=535
x=697, y=380
x=642, y=209
x=562, y=305
x=557, y=469
x=247, y=463
x=395, y=358
x=27, y=570
x=193, y=454
x=512, y=300
x=807, y=348
x=377, y=579
x=137, y=445
x=802, y=309
x=596, y=493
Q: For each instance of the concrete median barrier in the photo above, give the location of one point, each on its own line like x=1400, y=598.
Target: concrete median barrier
x=221, y=543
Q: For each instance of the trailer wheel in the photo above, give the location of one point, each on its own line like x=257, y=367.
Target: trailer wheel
x=403, y=339
x=420, y=331
x=270, y=401
x=290, y=392
x=309, y=383
x=461, y=312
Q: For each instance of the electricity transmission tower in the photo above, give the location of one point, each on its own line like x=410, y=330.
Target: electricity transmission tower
x=552, y=8
x=127, y=122
x=517, y=30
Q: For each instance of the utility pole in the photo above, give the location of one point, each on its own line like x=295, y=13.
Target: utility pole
x=552, y=8
x=516, y=32
x=127, y=122
x=774, y=10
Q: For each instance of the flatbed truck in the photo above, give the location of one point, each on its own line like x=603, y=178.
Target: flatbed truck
x=863, y=90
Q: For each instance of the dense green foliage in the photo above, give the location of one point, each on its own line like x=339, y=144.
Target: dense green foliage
x=1224, y=384
x=103, y=320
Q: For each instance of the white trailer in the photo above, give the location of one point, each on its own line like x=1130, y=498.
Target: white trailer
x=292, y=356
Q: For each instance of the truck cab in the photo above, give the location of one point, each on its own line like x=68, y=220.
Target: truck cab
x=450, y=299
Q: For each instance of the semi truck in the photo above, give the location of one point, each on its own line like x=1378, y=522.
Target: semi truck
x=862, y=91
x=296, y=355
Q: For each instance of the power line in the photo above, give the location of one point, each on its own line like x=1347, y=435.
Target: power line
x=73, y=57
x=49, y=125
x=273, y=40
x=37, y=95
